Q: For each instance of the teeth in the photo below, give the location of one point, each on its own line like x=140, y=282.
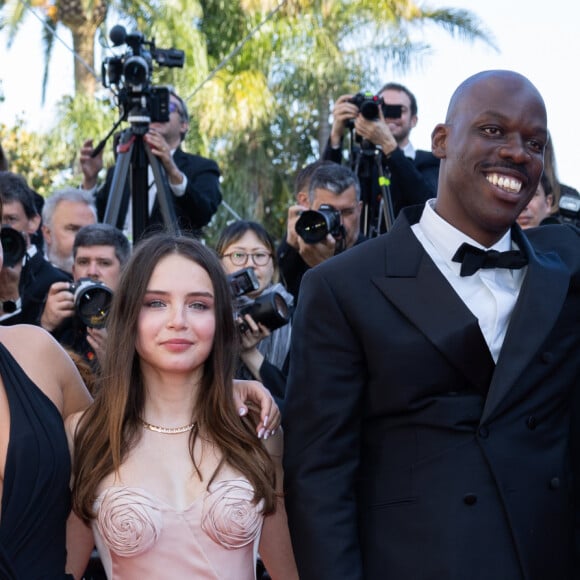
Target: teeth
x=504, y=182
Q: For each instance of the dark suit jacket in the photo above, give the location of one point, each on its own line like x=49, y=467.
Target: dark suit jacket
x=36, y=278
x=410, y=455
x=195, y=208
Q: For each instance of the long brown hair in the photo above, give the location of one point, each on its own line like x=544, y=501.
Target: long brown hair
x=111, y=427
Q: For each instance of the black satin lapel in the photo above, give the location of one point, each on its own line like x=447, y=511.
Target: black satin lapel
x=429, y=302
x=537, y=309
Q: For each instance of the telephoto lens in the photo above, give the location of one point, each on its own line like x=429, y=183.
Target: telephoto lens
x=92, y=301
x=13, y=246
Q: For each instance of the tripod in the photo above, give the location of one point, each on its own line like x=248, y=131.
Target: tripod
x=133, y=153
x=378, y=214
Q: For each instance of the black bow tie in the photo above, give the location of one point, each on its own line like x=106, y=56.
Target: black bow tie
x=472, y=259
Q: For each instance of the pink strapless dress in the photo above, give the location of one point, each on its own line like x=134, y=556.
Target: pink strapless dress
x=141, y=537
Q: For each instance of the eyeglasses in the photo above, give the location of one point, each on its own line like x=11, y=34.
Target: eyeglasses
x=241, y=258
x=174, y=108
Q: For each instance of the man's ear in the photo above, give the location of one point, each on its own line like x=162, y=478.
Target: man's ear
x=439, y=140
x=302, y=198
x=46, y=234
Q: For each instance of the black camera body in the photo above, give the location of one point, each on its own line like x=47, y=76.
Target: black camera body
x=269, y=309
x=13, y=246
x=131, y=74
x=92, y=300
x=369, y=104
x=569, y=207
x=313, y=226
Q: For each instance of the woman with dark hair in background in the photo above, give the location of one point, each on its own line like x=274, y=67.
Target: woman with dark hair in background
x=246, y=244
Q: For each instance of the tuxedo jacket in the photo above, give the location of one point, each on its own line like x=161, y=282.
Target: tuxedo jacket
x=410, y=454
x=194, y=209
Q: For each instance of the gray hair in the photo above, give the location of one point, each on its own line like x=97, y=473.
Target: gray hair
x=66, y=194
x=335, y=178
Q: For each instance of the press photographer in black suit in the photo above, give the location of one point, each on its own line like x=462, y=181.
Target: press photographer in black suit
x=413, y=173
x=193, y=180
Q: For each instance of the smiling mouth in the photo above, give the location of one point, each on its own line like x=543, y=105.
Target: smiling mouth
x=505, y=182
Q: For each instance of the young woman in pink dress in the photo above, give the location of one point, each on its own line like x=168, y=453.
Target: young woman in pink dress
x=171, y=481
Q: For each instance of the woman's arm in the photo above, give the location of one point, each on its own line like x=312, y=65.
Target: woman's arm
x=275, y=545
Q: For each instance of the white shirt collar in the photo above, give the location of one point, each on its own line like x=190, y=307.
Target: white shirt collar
x=446, y=238
x=409, y=150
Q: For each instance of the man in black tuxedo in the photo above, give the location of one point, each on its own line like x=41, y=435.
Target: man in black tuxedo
x=428, y=410
x=193, y=180
x=384, y=141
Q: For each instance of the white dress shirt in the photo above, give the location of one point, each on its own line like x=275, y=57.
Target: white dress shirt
x=490, y=294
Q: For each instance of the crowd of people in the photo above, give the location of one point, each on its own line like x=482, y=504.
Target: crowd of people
x=398, y=376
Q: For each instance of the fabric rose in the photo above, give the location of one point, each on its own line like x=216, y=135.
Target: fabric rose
x=230, y=517
x=128, y=520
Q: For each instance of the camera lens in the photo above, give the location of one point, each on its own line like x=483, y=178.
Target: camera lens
x=92, y=303
x=313, y=226
x=270, y=309
x=13, y=246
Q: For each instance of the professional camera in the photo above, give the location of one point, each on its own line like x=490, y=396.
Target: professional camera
x=243, y=281
x=569, y=206
x=313, y=226
x=269, y=309
x=368, y=104
x=13, y=246
x=131, y=75
x=92, y=301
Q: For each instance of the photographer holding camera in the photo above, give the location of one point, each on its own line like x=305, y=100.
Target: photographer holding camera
x=248, y=255
x=26, y=275
x=75, y=313
x=193, y=180
x=412, y=173
x=335, y=190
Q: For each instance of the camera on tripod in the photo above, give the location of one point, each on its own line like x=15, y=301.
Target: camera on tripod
x=269, y=309
x=313, y=226
x=92, y=300
x=369, y=104
x=131, y=75
x=13, y=246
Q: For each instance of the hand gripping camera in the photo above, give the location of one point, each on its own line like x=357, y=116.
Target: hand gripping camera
x=92, y=300
x=313, y=226
x=269, y=309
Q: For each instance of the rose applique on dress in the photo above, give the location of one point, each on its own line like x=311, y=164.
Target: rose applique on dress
x=230, y=517
x=128, y=520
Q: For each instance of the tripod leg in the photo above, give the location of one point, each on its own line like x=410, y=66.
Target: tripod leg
x=118, y=189
x=163, y=193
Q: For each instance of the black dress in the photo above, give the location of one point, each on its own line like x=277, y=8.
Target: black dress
x=36, y=495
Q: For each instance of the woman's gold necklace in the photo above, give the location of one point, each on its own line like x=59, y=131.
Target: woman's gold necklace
x=168, y=430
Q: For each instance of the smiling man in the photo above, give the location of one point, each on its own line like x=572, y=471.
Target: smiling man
x=429, y=402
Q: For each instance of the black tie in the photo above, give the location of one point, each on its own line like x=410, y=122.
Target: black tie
x=472, y=259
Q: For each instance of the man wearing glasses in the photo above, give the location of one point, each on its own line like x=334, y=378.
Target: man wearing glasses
x=332, y=185
x=193, y=180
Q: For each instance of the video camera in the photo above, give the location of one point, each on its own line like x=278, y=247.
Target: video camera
x=131, y=74
x=313, y=226
x=369, y=104
x=269, y=309
x=92, y=300
x=13, y=246
x=569, y=206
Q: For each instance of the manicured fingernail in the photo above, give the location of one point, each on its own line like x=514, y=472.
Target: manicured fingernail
x=260, y=433
x=242, y=411
x=266, y=420
x=266, y=435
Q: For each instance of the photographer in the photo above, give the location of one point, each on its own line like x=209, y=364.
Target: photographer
x=100, y=252
x=193, y=180
x=246, y=244
x=26, y=275
x=331, y=185
x=413, y=173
